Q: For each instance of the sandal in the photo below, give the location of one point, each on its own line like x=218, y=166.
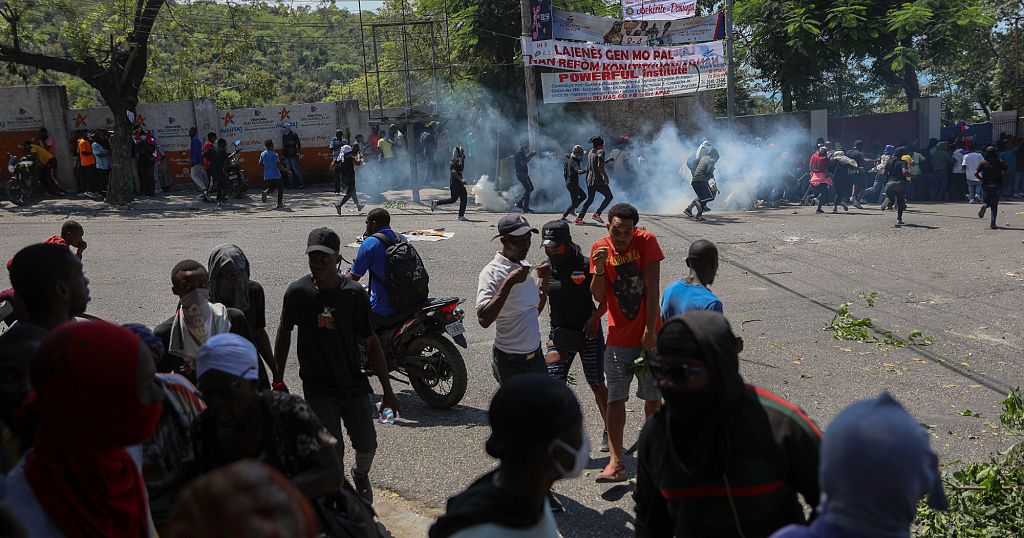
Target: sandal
x=619, y=475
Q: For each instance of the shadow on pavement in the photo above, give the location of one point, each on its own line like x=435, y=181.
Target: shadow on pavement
x=580, y=521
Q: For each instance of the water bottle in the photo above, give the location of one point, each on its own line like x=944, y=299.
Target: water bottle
x=387, y=416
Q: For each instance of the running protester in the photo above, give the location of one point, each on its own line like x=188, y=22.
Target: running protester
x=972, y=160
x=844, y=170
x=272, y=169
x=346, y=166
x=597, y=181
x=703, y=173
x=821, y=184
x=457, y=184
x=897, y=171
x=571, y=173
x=878, y=187
x=858, y=175
x=521, y=161
x=992, y=173
x=721, y=458
x=626, y=266
x=575, y=321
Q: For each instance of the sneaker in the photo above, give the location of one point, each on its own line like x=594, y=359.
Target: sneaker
x=573, y=213
x=301, y=187
x=835, y=210
x=993, y=226
x=556, y=506
x=845, y=207
x=971, y=201
x=463, y=218
x=597, y=217
x=981, y=212
x=433, y=205
x=688, y=212
x=280, y=206
x=899, y=222
x=819, y=210
x=603, y=447
x=360, y=207
x=857, y=205
x=361, y=482
x=264, y=197
x=578, y=221
x=337, y=207
x=699, y=218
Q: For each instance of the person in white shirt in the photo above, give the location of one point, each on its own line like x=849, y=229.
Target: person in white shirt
x=971, y=162
x=511, y=295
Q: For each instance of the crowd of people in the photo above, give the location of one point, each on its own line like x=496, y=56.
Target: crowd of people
x=204, y=414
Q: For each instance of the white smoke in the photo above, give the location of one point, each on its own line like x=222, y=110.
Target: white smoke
x=660, y=182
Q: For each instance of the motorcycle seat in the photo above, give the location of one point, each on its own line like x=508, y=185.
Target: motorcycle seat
x=402, y=315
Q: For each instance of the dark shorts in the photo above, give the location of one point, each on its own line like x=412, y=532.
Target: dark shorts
x=592, y=357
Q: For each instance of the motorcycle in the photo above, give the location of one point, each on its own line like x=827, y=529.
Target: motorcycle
x=419, y=346
x=19, y=187
x=233, y=169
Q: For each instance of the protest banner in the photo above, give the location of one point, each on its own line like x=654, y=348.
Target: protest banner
x=633, y=10
x=572, y=26
x=639, y=84
x=569, y=56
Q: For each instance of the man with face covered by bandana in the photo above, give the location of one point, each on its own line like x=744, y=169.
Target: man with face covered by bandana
x=195, y=321
x=721, y=458
x=231, y=286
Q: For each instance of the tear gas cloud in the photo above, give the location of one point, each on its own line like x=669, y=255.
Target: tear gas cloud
x=749, y=167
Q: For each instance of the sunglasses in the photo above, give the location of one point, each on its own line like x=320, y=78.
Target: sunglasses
x=676, y=373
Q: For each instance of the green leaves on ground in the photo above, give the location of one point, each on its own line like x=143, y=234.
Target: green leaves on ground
x=985, y=498
x=845, y=326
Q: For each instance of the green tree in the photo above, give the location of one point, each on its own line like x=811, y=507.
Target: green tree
x=108, y=49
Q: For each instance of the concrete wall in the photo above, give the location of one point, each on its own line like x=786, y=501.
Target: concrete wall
x=929, y=118
x=169, y=122
x=23, y=111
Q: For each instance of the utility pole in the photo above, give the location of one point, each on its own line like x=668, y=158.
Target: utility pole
x=531, y=81
x=731, y=80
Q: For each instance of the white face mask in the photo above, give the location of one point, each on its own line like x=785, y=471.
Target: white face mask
x=195, y=305
x=580, y=456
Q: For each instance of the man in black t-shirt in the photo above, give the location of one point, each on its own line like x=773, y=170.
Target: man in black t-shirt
x=575, y=322
x=521, y=163
x=291, y=145
x=332, y=313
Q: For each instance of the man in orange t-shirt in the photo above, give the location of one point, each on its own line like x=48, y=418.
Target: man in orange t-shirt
x=626, y=266
x=86, y=164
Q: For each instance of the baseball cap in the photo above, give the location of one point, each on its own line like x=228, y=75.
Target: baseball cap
x=556, y=233
x=513, y=224
x=530, y=409
x=323, y=240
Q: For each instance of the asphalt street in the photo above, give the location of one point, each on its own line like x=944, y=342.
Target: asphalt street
x=784, y=274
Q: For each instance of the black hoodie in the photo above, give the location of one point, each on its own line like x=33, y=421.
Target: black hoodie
x=483, y=502
x=744, y=457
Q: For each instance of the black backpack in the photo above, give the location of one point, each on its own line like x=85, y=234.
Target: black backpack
x=405, y=272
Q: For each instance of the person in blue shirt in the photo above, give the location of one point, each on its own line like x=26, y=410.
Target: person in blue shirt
x=371, y=257
x=691, y=292
x=272, y=169
x=195, y=162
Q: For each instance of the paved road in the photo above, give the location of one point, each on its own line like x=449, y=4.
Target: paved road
x=784, y=274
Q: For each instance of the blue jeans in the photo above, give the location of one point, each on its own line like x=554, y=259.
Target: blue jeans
x=940, y=185
x=878, y=187
x=292, y=163
x=974, y=190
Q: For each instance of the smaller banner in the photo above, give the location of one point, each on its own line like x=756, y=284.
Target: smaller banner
x=572, y=56
x=583, y=27
x=540, y=19
x=634, y=10
x=639, y=84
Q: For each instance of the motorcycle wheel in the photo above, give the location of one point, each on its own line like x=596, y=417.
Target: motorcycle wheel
x=17, y=193
x=442, y=383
